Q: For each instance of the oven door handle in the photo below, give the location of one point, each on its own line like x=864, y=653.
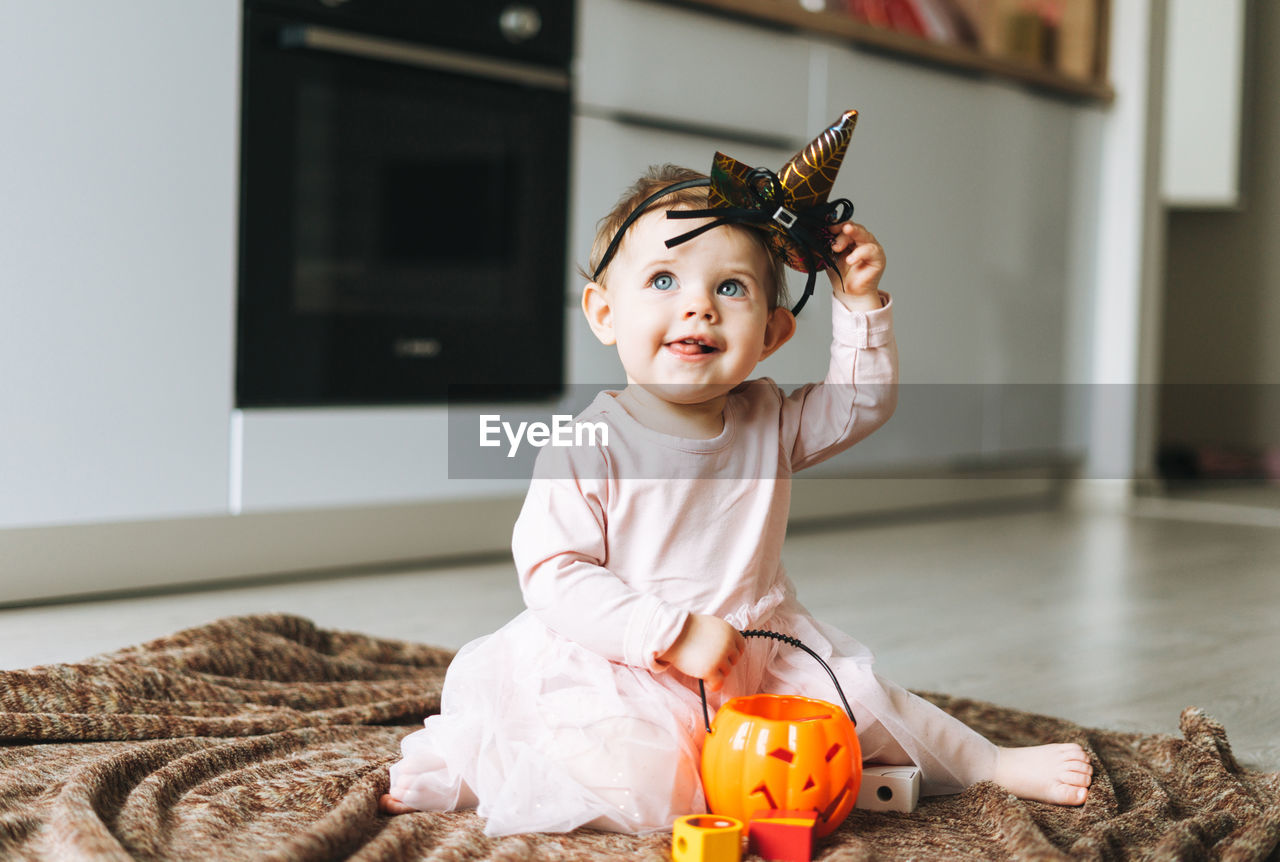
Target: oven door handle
x=327, y=40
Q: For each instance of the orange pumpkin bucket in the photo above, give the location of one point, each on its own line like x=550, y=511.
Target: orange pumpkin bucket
x=774, y=751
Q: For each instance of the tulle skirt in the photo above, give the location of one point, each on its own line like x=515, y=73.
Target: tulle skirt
x=540, y=734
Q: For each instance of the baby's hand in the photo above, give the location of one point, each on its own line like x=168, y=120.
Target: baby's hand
x=860, y=269
x=707, y=648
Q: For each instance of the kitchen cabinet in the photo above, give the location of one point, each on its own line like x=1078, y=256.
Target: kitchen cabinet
x=943, y=168
x=970, y=188
x=983, y=344
x=1203, y=87
x=642, y=60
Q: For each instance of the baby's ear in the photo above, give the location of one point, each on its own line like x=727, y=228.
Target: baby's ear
x=778, y=331
x=595, y=305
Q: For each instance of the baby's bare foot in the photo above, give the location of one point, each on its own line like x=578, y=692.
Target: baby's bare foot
x=1059, y=773
x=388, y=804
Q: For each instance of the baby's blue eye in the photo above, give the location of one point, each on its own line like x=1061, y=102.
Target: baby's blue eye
x=731, y=288
x=663, y=281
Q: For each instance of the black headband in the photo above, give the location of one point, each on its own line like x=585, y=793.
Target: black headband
x=764, y=207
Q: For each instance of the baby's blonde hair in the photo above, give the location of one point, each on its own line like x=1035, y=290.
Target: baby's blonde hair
x=653, y=181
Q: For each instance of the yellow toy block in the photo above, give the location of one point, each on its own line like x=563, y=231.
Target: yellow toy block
x=706, y=838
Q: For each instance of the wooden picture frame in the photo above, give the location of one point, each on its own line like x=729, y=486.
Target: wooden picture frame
x=1055, y=46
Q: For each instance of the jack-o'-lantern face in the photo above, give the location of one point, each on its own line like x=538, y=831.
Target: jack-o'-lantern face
x=782, y=752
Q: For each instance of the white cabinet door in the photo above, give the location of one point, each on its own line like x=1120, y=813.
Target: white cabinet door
x=1203, y=86
x=968, y=185
x=117, y=258
x=649, y=59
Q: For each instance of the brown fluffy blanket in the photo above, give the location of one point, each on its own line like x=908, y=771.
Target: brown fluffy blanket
x=266, y=738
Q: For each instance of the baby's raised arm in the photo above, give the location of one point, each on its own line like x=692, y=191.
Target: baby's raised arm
x=859, y=393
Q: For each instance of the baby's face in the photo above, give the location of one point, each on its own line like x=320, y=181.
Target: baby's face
x=690, y=321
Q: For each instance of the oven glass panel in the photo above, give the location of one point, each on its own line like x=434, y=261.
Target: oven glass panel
x=395, y=217
x=402, y=230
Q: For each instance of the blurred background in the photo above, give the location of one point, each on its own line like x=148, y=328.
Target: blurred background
x=249, y=248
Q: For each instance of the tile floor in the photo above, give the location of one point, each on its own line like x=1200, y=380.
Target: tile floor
x=1110, y=620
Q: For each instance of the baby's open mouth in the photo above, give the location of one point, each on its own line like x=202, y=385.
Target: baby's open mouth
x=690, y=347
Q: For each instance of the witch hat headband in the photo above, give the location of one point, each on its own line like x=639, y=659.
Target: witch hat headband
x=791, y=206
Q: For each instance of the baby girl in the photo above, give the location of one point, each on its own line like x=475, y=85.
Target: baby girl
x=641, y=559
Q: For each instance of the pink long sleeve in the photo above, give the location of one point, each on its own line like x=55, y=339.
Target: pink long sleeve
x=858, y=395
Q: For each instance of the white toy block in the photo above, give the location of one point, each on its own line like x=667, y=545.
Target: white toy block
x=889, y=788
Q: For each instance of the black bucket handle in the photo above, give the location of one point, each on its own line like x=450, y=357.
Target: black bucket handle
x=795, y=642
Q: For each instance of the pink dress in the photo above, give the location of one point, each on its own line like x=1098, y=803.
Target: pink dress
x=565, y=717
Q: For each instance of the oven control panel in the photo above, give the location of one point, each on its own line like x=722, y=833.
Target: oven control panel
x=532, y=31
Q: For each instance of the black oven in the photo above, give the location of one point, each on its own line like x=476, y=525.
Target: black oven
x=404, y=186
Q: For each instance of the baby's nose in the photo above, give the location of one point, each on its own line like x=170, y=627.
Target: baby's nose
x=700, y=307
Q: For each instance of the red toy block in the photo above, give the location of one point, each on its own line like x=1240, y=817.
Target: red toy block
x=782, y=836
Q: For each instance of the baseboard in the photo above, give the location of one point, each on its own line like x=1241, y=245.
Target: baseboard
x=1108, y=496
x=821, y=500
x=44, y=564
